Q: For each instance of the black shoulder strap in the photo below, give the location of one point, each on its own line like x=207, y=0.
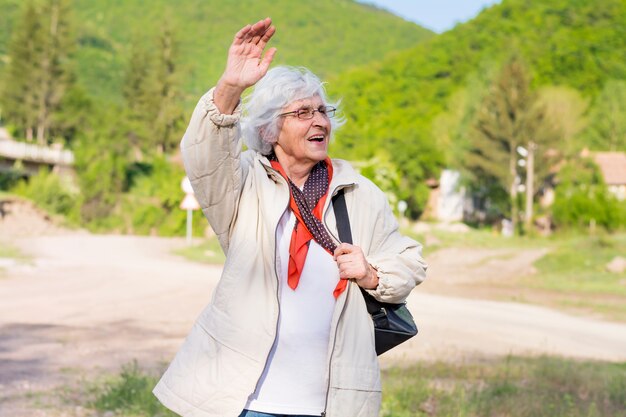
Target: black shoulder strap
x=345, y=235
x=341, y=216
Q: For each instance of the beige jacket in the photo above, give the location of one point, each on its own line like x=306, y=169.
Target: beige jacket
x=223, y=357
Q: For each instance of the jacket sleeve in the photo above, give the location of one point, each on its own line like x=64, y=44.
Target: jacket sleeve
x=211, y=151
x=397, y=258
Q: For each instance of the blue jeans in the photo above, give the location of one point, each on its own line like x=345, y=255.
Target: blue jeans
x=248, y=413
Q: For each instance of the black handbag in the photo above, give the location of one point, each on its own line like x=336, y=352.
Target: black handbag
x=393, y=323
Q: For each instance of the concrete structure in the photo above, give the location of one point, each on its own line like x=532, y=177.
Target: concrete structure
x=29, y=158
x=447, y=198
x=451, y=197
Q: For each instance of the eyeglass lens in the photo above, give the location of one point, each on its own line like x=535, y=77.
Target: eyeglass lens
x=308, y=113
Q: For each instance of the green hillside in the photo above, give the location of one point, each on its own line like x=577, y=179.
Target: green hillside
x=328, y=36
x=412, y=99
x=393, y=106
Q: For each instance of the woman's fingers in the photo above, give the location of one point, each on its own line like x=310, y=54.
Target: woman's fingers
x=261, y=26
x=351, y=262
x=342, y=249
x=259, y=29
x=267, y=60
x=241, y=36
x=245, y=64
x=354, y=271
x=267, y=36
x=254, y=33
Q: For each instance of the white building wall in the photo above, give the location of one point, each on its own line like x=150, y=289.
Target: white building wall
x=451, y=197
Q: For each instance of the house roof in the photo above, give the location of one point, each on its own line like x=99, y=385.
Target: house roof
x=612, y=165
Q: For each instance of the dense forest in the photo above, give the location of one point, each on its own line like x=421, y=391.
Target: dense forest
x=417, y=107
x=117, y=82
x=331, y=37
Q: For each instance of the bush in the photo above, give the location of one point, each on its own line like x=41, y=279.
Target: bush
x=100, y=167
x=152, y=204
x=48, y=191
x=10, y=179
x=582, y=198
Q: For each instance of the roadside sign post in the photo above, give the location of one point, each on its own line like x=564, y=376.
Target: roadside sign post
x=190, y=204
x=402, y=206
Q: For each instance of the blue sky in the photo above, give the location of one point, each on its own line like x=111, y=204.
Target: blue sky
x=437, y=15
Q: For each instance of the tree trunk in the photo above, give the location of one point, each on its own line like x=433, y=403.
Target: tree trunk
x=42, y=104
x=41, y=134
x=48, y=78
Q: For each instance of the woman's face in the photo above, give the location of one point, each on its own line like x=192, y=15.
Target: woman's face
x=304, y=142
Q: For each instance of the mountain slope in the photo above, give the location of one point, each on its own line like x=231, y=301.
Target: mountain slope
x=328, y=36
x=577, y=43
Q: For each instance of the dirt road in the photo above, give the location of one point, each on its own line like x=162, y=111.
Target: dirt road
x=91, y=303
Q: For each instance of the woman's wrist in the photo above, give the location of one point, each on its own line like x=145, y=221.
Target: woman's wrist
x=370, y=282
x=227, y=96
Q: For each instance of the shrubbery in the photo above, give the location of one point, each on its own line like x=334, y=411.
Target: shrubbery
x=148, y=203
x=49, y=192
x=583, y=199
x=152, y=204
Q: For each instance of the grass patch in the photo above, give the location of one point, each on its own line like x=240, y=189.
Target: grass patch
x=473, y=238
x=512, y=387
x=571, y=276
x=129, y=394
x=4, y=195
x=575, y=271
x=11, y=252
x=579, y=265
x=515, y=387
x=7, y=251
x=209, y=251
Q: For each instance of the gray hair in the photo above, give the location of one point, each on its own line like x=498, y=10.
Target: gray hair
x=280, y=87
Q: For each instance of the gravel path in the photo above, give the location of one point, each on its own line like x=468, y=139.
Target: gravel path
x=88, y=304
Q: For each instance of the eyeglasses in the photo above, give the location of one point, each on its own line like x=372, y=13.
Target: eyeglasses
x=308, y=113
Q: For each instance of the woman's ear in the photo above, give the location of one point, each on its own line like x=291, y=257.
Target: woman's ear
x=269, y=134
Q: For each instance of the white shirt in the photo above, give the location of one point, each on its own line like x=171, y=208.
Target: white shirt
x=294, y=379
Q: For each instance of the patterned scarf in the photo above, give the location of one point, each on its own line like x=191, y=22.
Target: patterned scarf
x=307, y=205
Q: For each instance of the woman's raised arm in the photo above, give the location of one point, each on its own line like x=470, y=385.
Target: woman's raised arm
x=245, y=65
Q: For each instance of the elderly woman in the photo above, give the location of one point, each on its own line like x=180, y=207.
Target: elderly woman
x=287, y=332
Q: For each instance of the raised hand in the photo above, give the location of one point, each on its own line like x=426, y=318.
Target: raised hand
x=245, y=65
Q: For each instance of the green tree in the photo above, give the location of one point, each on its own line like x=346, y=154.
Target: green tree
x=74, y=115
x=153, y=97
x=137, y=97
x=19, y=98
x=167, y=127
x=101, y=154
x=509, y=118
x=607, y=120
x=451, y=128
x=565, y=111
x=39, y=73
x=55, y=64
x=381, y=170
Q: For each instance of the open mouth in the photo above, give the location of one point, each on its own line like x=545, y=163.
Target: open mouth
x=317, y=138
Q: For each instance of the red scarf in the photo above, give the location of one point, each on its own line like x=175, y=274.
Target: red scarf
x=302, y=235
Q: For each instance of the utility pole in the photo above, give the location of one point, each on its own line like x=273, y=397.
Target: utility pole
x=530, y=181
